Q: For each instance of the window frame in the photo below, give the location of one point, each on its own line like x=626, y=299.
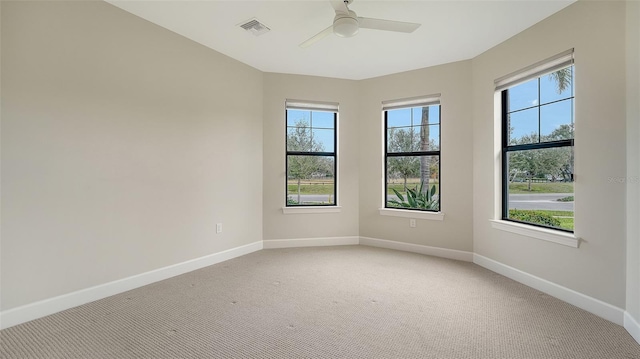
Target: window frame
x=428, y=101
x=311, y=106
x=505, y=148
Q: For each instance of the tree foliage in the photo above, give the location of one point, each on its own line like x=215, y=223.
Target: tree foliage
x=425, y=162
x=563, y=78
x=403, y=140
x=551, y=163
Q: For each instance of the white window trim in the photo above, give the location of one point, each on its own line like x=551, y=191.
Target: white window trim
x=545, y=234
x=307, y=210
x=407, y=213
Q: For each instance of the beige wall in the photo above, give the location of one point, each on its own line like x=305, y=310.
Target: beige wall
x=123, y=144
x=453, y=81
x=633, y=159
x=597, y=32
x=278, y=88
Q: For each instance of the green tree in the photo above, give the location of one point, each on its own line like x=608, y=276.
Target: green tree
x=402, y=140
x=300, y=167
x=425, y=165
x=532, y=163
x=553, y=163
x=564, y=154
x=563, y=78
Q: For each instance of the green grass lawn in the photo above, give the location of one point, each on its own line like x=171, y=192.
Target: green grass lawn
x=565, y=218
x=310, y=188
x=550, y=187
x=566, y=223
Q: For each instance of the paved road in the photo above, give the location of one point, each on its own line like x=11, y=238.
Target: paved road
x=540, y=201
x=311, y=198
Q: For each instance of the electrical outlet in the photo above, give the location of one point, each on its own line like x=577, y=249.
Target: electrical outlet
x=412, y=223
x=219, y=228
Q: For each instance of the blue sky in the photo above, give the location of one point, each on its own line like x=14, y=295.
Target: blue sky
x=412, y=117
x=321, y=123
x=552, y=114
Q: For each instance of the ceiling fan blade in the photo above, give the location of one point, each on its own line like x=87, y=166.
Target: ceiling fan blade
x=319, y=36
x=339, y=6
x=387, y=25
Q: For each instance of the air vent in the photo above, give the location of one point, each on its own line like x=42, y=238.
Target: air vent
x=255, y=27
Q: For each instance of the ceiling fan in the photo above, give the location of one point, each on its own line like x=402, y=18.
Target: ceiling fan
x=346, y=23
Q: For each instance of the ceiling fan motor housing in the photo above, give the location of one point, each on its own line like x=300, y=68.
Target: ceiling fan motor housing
x=346, y=25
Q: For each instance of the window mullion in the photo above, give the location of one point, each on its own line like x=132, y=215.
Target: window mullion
x=539, y=120
x=539, y=146
x=418, y=153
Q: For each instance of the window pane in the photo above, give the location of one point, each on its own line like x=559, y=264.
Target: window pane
x=298, y=116
x=434, y=114
x=556, y=86
x=416, y=115
x=540, y=187
x=430, y=114
x=310, y=180
x=556, y=121
x=405, y=139
x=299, y=138
x=322, y=119
x=413, y=182
x=523, y=127
x=323, y=140
x=428, y=138
x=399, y=118
x=523, y=96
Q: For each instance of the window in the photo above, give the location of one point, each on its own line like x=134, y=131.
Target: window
x=311, y=160
x=537, y=145
x=412, y=153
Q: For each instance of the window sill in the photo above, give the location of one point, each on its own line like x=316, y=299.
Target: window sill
x=299, y=210
x=405, y=213
x=567, y=239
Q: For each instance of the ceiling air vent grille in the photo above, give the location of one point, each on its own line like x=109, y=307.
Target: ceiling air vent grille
x=255, y=27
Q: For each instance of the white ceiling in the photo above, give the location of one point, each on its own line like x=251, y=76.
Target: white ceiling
x=451, y=30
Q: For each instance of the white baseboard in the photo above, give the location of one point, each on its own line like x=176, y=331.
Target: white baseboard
x=418, y=248
x=632, y=326
x=590, y=304
x=310, y=242
x=25, y=313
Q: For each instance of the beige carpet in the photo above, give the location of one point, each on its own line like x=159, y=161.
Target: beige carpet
x=328, y=302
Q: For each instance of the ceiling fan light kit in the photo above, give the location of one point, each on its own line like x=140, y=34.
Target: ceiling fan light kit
x=346, y=24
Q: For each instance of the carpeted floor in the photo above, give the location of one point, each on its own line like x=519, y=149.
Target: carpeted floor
x=326, y=302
